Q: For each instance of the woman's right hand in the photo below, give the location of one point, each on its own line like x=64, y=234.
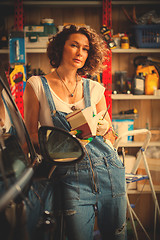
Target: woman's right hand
x=83, y=142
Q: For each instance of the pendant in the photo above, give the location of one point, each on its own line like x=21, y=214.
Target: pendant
x=73, y=108
x=71, y=94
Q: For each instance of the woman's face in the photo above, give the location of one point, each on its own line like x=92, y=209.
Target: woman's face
x=75, y=50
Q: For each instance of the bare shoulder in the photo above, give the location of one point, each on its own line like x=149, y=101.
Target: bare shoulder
x=29, y=93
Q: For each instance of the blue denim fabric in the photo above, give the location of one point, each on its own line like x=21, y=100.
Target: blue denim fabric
x=82, y=192
x=40, y=198
x=97, y=182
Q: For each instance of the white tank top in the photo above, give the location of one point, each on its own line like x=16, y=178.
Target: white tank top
x=96, y=93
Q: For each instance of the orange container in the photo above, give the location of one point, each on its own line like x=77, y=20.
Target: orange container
x=151, y=83
x=151, y=78
x=125, y=42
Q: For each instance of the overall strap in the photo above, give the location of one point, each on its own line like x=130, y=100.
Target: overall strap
x=86, y=92
x=52, y=106
x=57, y=118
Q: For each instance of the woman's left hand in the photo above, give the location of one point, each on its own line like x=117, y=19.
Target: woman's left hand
x=84, y=142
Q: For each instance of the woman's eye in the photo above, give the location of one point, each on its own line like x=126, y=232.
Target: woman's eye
x=86, y=49
x=74, y=45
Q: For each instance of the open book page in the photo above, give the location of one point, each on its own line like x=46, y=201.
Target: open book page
x=85, y=121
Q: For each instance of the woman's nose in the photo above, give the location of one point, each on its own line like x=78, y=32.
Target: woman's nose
x=79, y=51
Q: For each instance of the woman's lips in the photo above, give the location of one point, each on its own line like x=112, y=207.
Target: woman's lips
x=77, y=60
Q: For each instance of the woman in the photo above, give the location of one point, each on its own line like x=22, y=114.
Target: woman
x=96, y=185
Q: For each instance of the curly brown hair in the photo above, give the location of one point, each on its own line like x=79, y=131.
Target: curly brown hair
x=97, y=49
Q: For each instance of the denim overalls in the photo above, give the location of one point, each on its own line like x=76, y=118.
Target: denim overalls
x=94, y=186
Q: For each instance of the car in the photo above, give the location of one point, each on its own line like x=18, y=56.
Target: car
x=19, y=161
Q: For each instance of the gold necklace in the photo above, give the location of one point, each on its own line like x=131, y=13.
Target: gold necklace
x=71, y=94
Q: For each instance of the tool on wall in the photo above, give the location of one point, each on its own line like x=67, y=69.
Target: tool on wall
x=133, y=18
x=130, y=111
x=106, y=33
x=17, y=47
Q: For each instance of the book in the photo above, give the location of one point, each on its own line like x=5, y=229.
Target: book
x=85, y=121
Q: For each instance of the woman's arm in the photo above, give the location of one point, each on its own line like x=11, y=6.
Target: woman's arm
x=31, y=113
x=101, y=105
x=109, y=134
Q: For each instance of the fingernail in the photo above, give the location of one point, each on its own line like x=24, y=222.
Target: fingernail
x=90, y=139
x=78, y=131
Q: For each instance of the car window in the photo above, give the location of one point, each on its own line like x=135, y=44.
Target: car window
x=16, y=150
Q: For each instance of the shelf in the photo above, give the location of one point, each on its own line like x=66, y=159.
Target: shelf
x=135, y=2
x=4, y=51
x=136, y=50
x=36, y=50
x=28, y=50
x=80, y=3
x=138, y=144
x=64, y=3
x=57, y=3
x=117, y=50
x=125, y=116
x=135, y=191
x=134, y=97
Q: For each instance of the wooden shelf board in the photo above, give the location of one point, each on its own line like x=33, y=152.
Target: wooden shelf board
x=36, y=50
x=134, y=191
x=56, y=3
x=83, y=3
x=142, y=2
x=138, y=144
x=136, y=50
x=4, y=51
x=134, y=97
x=28, y=50
x=116, y=50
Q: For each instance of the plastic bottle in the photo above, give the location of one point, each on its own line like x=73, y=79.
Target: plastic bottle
x=138, y=86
